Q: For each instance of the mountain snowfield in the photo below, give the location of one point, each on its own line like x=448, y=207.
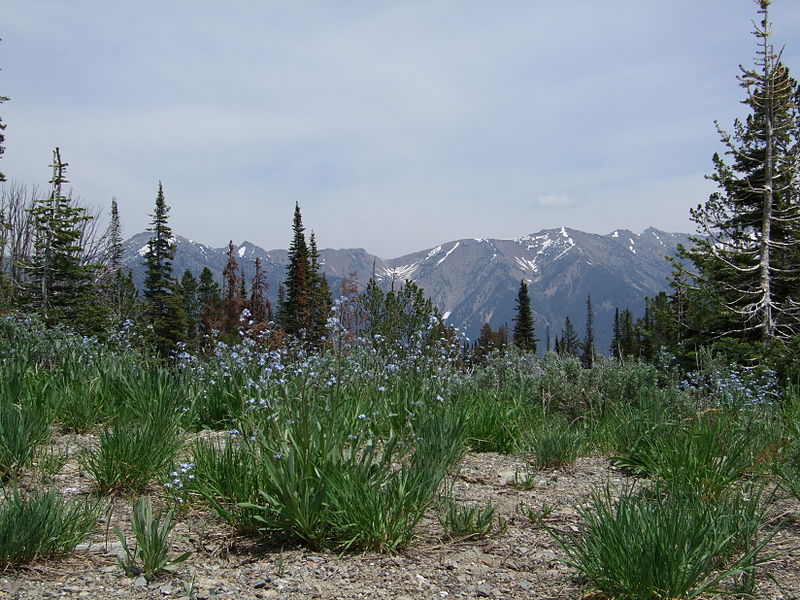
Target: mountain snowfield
x=476, y=280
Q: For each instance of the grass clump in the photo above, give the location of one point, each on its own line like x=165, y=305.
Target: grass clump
x=150, y=556
x=555, y=445
x=462, y=521
x=129, y=455
x=660, y=544
x=42, y=525
x=708, y=454
x=23, y=430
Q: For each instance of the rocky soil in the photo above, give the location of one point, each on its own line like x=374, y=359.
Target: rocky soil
x=520, y=561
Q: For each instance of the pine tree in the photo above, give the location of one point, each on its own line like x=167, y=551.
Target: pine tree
x=524, y=336
x=260, y=307
x=296, y=311
x=747, y=260
x=589, y=351
x=163, y=305
x=615, y=348
x=321, y=301
x=233, y=302
x=208, y=293
x=59, y=284
x=191, y=304
x=114, y=279
x=568, y=344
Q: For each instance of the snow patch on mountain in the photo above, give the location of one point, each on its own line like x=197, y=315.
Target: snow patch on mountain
x=400, y=273
x=449, y=252
x=433, y=252
x=526, y=264
x=241, y=251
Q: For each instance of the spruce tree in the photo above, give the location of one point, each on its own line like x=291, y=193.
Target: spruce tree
x=746, y=259
x=208, y=292
x=163, y=305
x=615, y=348
x=233, y=302
x=568, y=344
x=191, y=304
x=524, y=336
x=589, y=351
x=296, y=311
x=321, y=301
x=59, y=285
x=260, y=307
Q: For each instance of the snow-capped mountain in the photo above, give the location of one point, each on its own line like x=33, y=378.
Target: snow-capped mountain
x=476, y=280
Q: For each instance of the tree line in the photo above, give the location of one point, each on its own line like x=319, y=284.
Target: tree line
x=736, y=288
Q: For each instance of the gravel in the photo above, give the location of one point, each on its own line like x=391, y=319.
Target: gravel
x=521, y=561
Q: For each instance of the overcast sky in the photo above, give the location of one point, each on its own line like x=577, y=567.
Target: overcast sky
x=396, y=125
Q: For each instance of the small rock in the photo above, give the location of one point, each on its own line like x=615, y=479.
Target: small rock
x=484, y=590
x=140, y=582
x=260, y=584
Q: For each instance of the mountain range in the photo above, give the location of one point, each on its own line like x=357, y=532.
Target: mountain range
x=476, y=280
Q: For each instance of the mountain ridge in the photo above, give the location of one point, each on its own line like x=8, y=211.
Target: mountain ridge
x=475, y=280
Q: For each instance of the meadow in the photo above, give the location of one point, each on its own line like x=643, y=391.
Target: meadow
x=687, y=483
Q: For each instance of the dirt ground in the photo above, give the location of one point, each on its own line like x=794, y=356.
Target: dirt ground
x=521, y=561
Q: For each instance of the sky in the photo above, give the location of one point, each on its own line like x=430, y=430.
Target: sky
x=396, y=125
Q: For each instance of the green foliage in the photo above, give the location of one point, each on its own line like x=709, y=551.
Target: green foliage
x=163, y=304
x=130, y=454
x=524, y=336
x=745, y=257
x=150, y=556
x=42, y=525
x=464, y=521
x=59, y=282
x=22, y=431
x=364, y=484
x=658, y=545
x=707, y=455
x=554, y=444
x=24, y=422
x=306, y=306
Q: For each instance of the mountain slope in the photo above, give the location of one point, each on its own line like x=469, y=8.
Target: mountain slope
x=476, y=280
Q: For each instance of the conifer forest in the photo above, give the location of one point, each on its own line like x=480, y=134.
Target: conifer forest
x=191, y=438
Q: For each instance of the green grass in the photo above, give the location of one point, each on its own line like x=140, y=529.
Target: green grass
x=659, y=545
x=40, y=524
x=150, y=553
x=130, y=455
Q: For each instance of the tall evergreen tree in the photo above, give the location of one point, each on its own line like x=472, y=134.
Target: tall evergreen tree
x=260, y=307
x=233, y=301
x=747, y=261
x=568, y=344
x=615, y=348
x=524, y=336
x=191, y=304
x=321, y=301
x=163, y=305
x=59, y=284
x=589, y=351
x=296, y=312
x=208, y=292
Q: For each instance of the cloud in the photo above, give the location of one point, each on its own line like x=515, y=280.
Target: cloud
x=554, y=202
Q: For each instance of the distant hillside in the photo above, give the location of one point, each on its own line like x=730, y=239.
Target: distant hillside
x=476, y=280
